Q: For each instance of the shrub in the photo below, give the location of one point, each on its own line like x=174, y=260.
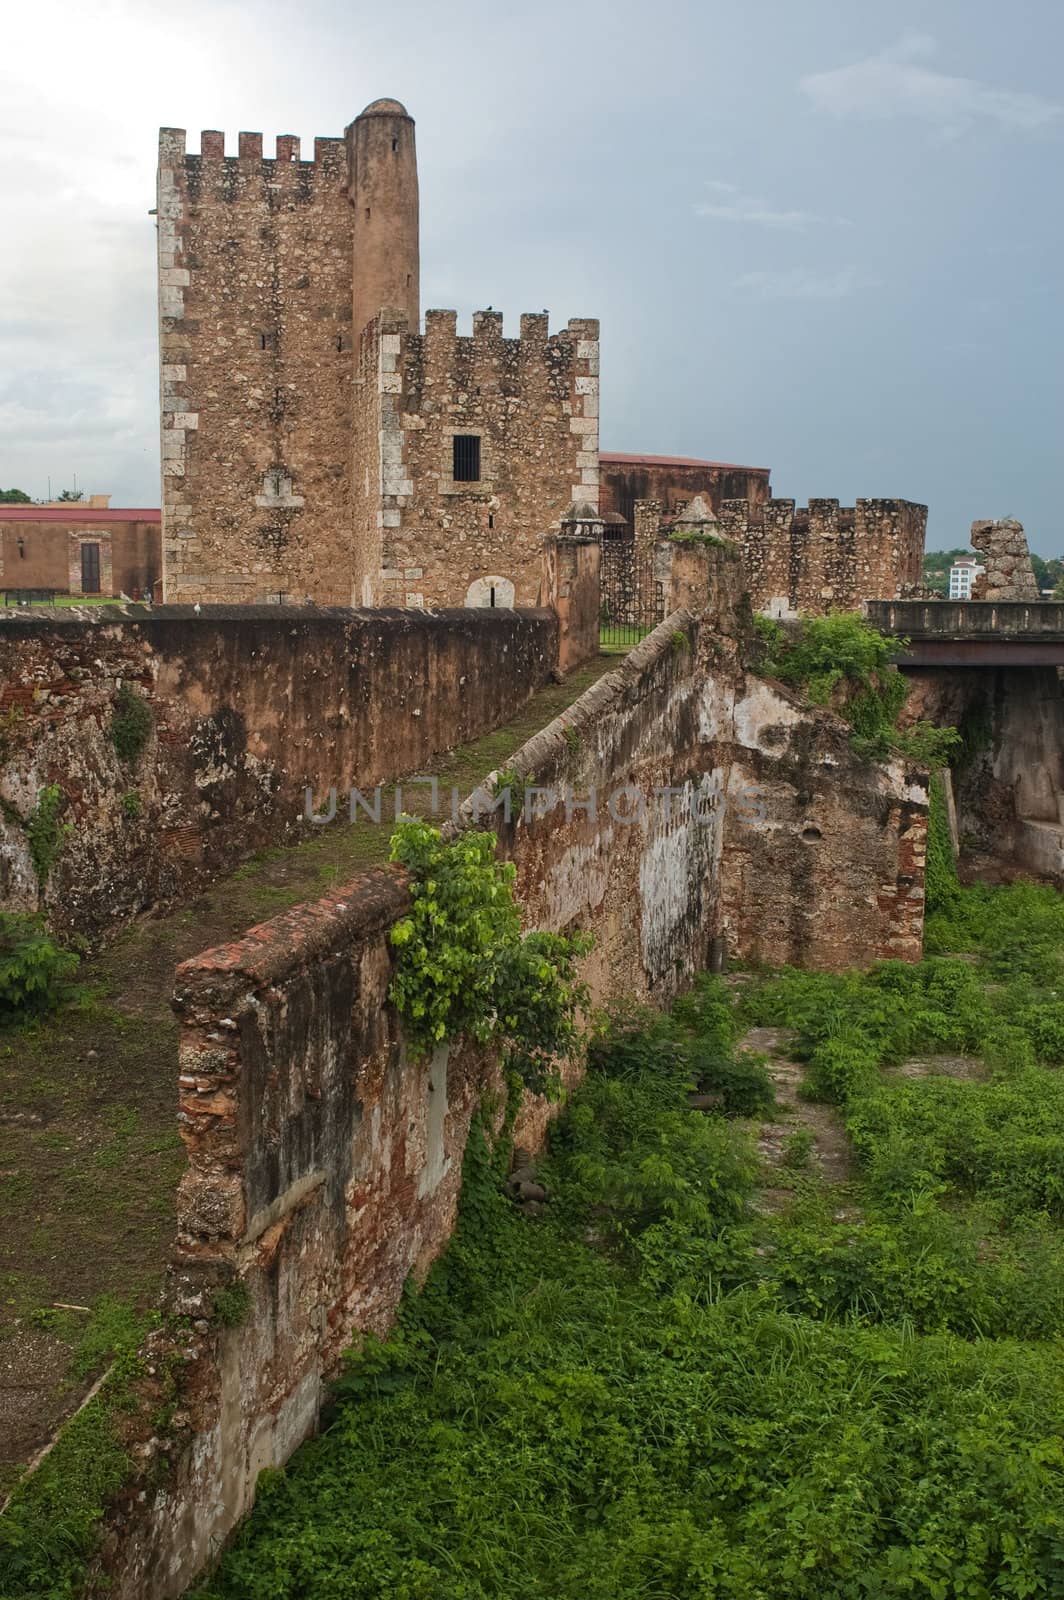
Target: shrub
x=46, y=834
x=131, y=724
x=464, y=967
x=33, y=968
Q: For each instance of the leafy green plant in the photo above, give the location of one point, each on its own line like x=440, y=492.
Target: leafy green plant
x=465, y=969
x=131, y=724
x=46, y=834
x=840, y=660
x=231, y=1304
x=131, y=803
x=33, y=968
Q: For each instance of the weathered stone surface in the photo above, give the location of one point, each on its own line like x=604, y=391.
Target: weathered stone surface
x=1009, y=574
x=307, y=422
x=827, y=557
x=249, y=707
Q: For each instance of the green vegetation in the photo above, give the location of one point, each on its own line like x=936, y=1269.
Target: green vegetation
x=697, y=536
x=132, y=805
x=231, y=1304
x=46, y=834
x=33, y=968
x=51, y=1526
x=131, y=724
x=464, y=966
x=14, y=497
x=841, y=661
x=655, y=1388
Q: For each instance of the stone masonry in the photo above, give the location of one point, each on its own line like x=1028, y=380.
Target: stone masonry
x=1009, y=574
x=424, y=537
x=827, y=557
x=301, y=460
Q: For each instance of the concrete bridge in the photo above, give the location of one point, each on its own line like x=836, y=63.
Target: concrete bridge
x=973, y=633
x=991, y=668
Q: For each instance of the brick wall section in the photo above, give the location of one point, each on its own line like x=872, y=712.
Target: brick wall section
x=573, y=591
x=255, y=274
x=323, y=1169
x=249, y=706
x=827, y=557
x=533, y=404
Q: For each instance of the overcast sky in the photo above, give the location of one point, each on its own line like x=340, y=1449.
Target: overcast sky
x=822, y=235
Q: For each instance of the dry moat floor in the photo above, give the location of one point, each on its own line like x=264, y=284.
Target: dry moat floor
x=89, y=1151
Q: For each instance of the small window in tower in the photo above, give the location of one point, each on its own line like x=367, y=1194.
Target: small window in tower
x=367, y=213
x=395, y=144
x=491, y=519
x=466, y=468
x=22, y=549
x=268, y=340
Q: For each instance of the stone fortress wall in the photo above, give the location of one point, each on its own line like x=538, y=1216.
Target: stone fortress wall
x=324, y=1162
x=827, y=557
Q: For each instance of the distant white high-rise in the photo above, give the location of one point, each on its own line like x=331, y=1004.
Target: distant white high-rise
x=962, y=576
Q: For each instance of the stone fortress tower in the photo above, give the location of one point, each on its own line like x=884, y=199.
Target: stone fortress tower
x=382, y=176
x=316, y=444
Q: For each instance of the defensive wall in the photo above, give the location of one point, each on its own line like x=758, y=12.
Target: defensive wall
x=678, y=802
x=826, y=557
x=242, y=709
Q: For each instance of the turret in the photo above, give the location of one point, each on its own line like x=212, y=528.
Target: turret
x=382, y=167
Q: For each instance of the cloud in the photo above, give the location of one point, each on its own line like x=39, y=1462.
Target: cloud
x=895, y=84
x=801, y=283
x=737, y=206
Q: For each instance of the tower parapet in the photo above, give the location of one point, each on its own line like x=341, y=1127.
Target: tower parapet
x=483, y=442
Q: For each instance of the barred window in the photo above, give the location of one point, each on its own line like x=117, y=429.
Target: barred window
x=466, y=465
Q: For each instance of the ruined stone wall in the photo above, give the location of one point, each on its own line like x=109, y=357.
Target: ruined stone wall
x=1009, y=776
x=675, y=802
x=775, y=837
x=323, y=1169
x=429, y=539
x=255, y=306
x=1009, y=574
x=827, y=557
x=248, y=707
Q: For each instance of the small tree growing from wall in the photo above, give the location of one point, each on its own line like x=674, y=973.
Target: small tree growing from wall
x=465, y=968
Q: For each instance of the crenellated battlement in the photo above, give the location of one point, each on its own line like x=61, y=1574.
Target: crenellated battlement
x=826, y=556
x=174, y=151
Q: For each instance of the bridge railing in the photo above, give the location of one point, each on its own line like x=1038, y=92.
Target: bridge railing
x=965, y=619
